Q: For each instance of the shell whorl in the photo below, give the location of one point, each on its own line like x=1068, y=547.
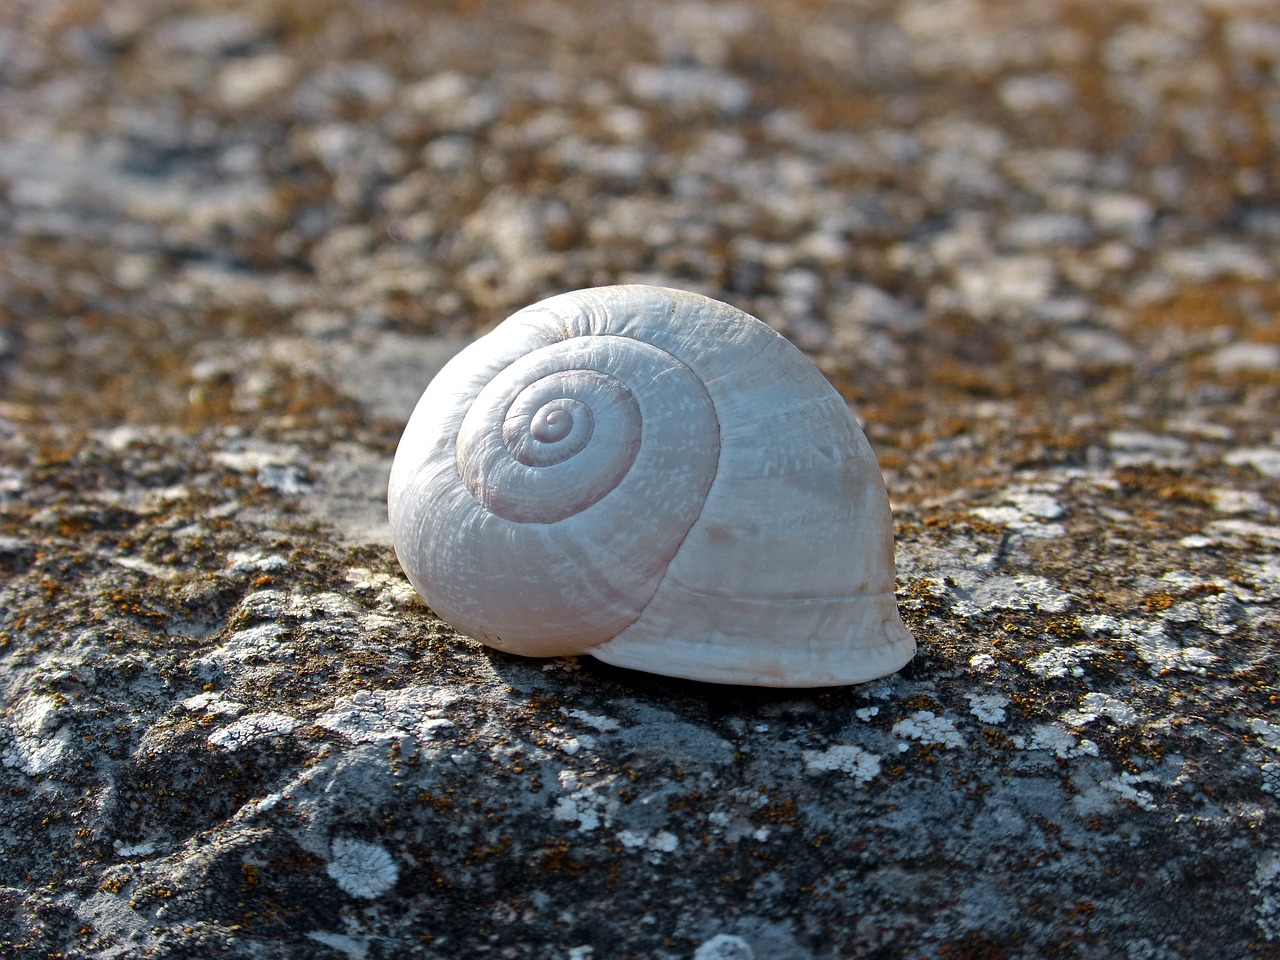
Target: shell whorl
x=559, y=439
x=659, y=480
x=561, y=427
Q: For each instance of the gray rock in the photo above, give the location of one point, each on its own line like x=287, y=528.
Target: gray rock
x=238, y=245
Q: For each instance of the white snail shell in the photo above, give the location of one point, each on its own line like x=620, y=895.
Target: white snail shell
x=658, y=480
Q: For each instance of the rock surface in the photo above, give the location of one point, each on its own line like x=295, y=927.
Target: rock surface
x=1034, y=245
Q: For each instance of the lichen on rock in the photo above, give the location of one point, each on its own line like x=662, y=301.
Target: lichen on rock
x=1033, y=245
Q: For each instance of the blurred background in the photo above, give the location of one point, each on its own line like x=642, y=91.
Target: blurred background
x=1027, y=215
x=1034, y=244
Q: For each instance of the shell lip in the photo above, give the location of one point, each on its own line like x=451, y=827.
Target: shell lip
x=762, y=681
x=867, y=654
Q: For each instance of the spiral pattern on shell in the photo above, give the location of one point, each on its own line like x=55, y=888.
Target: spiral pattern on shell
x=654, y=478
x=561, y=427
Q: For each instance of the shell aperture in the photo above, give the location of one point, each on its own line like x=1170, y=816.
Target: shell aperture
x=659, y=480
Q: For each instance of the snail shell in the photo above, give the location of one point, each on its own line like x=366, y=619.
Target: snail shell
x=658, y=480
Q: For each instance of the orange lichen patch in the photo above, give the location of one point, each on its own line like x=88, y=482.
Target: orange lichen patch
x=1217, y=305
x=1040, y=440
x=922, y=701
x=778, y=811
x=997, y=739
x=557, y=857
x=1168, y=485
x=977, y=946
x=973, y=380
x=140, y=373
x=114, y=884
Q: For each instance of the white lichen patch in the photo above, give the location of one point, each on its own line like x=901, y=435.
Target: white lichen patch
x=1100, y=624
x=1200, y=428
x=1061, y=661
x=1095, y=705
x=1027, y=511
x=1162, y=652
x=689, y=88
x=883, y=689
x=260, y=642
x=582, y=808
x=1220, y=614
x=603, y=724
x=369, y=715
x=30, y=740
x=1266, y=887
x=36, y=715
x=325, y=605
x=434, y=727
x=725, y=946
x=1060, y=742
x=253, y=562
x=632, y=839
x=1232, y=501
x=664, y=841
x=258, y=806
x=1264, y=575
x=265, y=605
x=362, y=869
x=927, y=727
x=252, y=729
x=32, y=756
x=275, y=468
x=987, y=707
x=1266, y=733
x=1240, y=533
x=1187, y=611
x=661, y=841
x=123, y=849
x=1011, y=593
x=1133, y=448
x=982, y=662
x=860, y=765
x=1270, y=777
x=352, y=947
x=1217, y=612
x=394, y=590
x=1124, y=785
x=145, y=566
x=1266, y=460
x=213, y=703
x=587, y=806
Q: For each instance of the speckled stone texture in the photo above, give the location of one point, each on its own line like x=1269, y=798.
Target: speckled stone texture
x=1035, y=245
